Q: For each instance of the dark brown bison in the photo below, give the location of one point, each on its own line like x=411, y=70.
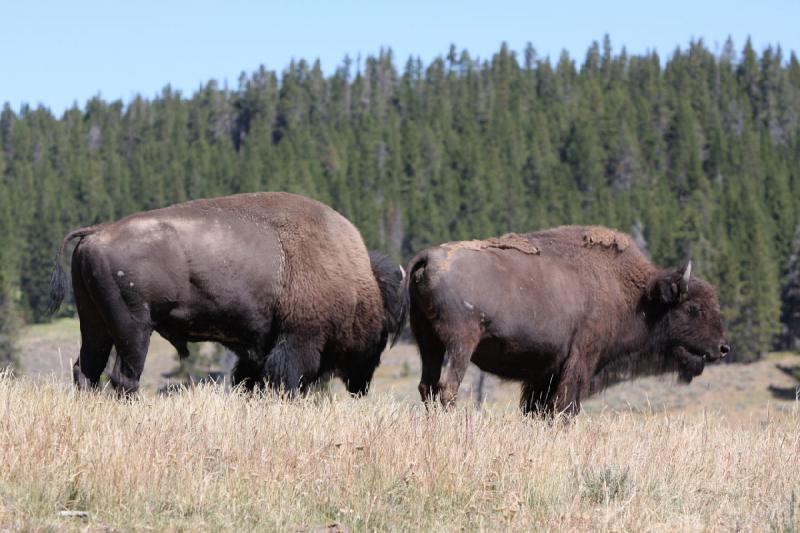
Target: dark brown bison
x=564, y=310
x=283, y=281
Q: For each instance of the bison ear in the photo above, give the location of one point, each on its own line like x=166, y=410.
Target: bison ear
x=672, y=287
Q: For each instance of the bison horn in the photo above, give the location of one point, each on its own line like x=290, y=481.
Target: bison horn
x=688, y=272
x=402, y=272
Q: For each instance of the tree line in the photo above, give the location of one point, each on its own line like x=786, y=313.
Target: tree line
x=697, y=156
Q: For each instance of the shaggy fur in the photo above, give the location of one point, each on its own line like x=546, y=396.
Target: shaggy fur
x=587, y=309
x=284, y=281
x=390, y=281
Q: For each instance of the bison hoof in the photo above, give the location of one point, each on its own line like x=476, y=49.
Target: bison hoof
x=447, y=396
x=83, y=382
x=427, y=392
x=125, y=388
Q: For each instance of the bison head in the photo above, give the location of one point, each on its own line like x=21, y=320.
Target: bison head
x=357, y=368
x=686, y=322
x=357, y=373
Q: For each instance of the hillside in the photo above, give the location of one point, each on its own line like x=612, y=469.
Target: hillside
x=696, y=154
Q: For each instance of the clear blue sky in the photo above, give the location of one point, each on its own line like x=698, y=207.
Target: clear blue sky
x=59, y=52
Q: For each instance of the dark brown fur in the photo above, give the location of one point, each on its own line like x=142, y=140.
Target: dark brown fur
x=282, y=280
x=570, y=311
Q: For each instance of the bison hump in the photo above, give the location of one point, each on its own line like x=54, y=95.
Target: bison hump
x=509, y=241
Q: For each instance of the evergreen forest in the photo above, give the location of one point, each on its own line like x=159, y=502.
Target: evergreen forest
x=696, y=154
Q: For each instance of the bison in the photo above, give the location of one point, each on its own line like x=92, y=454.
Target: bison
x=565, y=311
x=283, y=281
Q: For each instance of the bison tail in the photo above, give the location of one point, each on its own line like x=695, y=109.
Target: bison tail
x=417, y=262
x=395, y=299
x=58, y=280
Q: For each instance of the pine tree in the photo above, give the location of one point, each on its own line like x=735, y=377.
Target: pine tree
x=758, y=320
x=8, y=327
x=702, y=152
x=790, y=294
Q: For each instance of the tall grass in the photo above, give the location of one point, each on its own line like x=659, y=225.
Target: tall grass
x=207, y=459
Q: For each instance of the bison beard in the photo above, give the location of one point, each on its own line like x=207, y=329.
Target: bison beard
x=566, y=311
x=283, y=281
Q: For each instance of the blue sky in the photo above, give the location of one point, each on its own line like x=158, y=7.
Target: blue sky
x=56, y=52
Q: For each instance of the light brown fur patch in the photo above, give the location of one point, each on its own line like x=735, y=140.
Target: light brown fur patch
x=605, y=237
x=509, y=241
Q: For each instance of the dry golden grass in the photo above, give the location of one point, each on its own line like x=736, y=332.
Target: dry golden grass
x=208, y=459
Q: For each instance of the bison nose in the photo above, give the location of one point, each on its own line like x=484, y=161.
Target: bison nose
x=724, y=349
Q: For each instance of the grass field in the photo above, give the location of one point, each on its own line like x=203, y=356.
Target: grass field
x=721, y=454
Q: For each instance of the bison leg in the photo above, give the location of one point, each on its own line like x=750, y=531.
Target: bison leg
x=247, y=373
x=459, y=354
x=95, y=349
x=431, y=352
x=574, y=384
x=131, y=354
x=131, y=333
x=96, y=343
x=293, y=362
x=536, y=398
x=100, y=301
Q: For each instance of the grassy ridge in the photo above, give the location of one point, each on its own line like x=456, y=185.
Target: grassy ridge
x=208, y=460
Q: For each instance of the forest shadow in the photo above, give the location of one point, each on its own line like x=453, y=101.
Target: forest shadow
x=787, y=393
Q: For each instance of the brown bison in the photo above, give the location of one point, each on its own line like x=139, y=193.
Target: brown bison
x=563, y=310
x=283, y=281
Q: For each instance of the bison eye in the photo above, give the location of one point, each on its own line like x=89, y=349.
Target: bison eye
x=694, y=310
